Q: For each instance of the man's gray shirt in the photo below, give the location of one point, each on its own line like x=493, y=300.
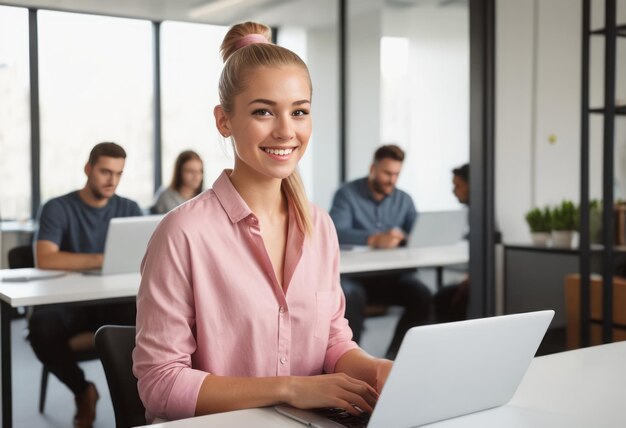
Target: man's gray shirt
x=357, y=215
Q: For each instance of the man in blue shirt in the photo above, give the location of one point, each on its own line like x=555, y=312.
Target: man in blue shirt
x=71, y=236
x=371, y=211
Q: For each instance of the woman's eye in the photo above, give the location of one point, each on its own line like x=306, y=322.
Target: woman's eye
x=261, y=112
x=300, y=112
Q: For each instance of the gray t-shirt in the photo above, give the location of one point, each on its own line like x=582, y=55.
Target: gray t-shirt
x=80, y=228
x=357, y=215
x=167, y=200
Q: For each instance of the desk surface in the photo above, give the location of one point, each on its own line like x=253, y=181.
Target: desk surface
x=27, y=226
x=73, y=287
x=353, y=261
x=574, y=389
x=76, y=287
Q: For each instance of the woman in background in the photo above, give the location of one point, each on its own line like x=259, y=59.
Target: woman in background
x=186, y=183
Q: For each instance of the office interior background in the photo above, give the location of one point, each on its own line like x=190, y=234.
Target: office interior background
x=407, y=81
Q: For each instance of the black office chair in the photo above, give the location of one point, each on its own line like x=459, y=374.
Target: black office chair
x=81, y=344
x=21, y=257
x=114, y=345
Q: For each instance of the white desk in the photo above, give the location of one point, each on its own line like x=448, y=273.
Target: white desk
x=358, y=261
x=368, y=260
x=575, y=389
x=73, y=288
x=70, y=288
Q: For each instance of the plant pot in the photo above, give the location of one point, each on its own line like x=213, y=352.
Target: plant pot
x=562, y=238
x=540, y=239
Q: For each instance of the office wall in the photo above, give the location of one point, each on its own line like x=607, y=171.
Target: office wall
x=514, y=118
x=363, y=83
x=323, y=61
x=438, y=85
x=538, y=81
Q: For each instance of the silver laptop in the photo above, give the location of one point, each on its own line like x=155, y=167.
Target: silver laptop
x=438, y=228
x=448, y=370
x=126, y=242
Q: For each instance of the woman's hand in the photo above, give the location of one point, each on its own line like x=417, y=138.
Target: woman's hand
x=333, y=390
x=383, y=367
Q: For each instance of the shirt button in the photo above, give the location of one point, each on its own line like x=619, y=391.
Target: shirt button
x=281, y=309
x=283, y=360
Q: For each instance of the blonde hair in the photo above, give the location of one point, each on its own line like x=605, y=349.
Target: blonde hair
x=240, y=57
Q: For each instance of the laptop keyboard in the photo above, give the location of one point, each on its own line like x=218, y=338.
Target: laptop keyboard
x=344, y=418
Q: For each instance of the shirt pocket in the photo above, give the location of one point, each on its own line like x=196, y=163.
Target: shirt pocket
x=323, y=313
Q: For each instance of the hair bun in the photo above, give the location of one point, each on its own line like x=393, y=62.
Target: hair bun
x=242, y=35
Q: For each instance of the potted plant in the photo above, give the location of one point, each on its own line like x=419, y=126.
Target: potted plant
x=564, y=219
x=540, y=225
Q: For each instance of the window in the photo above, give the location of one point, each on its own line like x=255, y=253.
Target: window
x=95, y=85
x=191, y=66
x=15, y=184
x=425, y=97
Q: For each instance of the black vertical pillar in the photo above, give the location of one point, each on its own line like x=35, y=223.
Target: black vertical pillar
x=608, y=168
x=343, y=90
x=585, y=252
x=482, y=149
x=35, y=144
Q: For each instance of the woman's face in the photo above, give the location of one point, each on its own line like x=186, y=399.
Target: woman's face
x=192, y=173
x=270, y=124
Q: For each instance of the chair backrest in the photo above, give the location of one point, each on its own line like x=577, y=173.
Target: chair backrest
x=21, y=257
x=114, y=345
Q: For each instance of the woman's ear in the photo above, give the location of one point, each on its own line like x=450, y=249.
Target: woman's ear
x=221, y=121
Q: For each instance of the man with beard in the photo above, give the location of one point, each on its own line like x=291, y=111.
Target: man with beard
x=371, y=211
x=71, y=236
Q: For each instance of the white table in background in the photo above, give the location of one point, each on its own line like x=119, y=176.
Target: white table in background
x=367, y=260
x=575, y=389
x=67, y=289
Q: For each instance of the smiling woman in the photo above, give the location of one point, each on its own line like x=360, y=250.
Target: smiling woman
x=245, y=310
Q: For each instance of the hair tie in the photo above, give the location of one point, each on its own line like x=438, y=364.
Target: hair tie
x=250, y=39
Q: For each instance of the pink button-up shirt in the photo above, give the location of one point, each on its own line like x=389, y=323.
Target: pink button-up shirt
x=209, y=302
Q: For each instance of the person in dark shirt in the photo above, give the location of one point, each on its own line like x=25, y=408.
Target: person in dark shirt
x=372, y=211
x=71, y=236
x=451, y=301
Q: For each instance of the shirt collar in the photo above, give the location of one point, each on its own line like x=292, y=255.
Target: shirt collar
x=232, y=202
x=367, y=192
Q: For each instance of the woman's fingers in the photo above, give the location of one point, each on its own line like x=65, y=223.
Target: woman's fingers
x=356, y=395
x=336, y=390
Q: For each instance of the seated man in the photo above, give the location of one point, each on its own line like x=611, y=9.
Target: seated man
x=71, y=236
x=371, y=211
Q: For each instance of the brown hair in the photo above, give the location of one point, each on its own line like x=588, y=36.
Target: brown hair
x=109, y=149
x=389, y=151
x=177, y=178
x=240, y=58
